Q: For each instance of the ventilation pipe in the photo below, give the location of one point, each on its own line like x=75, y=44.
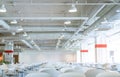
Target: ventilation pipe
x=4, y=24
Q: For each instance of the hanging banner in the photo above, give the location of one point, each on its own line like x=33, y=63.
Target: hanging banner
x=100, y=45
x=83, y=50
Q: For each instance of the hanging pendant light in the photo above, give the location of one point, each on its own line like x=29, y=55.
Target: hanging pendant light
x=67, y=22
x=13, y=22
x=73, y=8
x=3, y=9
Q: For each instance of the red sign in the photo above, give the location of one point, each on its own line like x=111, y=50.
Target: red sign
x=83, y=50
x=8, y=51
x=101, y=46
x=1, y=54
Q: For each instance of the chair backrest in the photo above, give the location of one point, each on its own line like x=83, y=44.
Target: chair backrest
x=66, y=69
x=50, y=71
x=71, y=74
x=93, y=72
x=38, y=75
x=109, y=74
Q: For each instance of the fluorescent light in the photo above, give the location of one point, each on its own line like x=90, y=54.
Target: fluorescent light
x=67, y=22
x=3, y=9
x=118, y=11
x=73, y=8
x=20, y=29
x=13, y=22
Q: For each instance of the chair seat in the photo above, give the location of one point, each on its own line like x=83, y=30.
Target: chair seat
x=109, y=74
x=38, y=75
x=72, y=74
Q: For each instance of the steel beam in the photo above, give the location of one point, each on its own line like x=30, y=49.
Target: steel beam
x=61, y=4
x=44, y=18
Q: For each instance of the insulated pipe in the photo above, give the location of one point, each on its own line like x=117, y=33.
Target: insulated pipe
x=4, y=24
x=28, y=44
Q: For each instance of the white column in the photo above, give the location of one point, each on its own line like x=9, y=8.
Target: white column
x=78, y=56
x=8, y=55
x=84, y=52
x=101, y=49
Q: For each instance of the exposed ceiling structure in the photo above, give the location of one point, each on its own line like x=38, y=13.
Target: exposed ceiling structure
x=40, y=24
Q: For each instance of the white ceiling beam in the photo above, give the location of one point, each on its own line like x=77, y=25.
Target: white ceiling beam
x=36, y=37
x=61, y=4
x=93, y=16
x=41, y=29
x=96, y=24
x=44, y=18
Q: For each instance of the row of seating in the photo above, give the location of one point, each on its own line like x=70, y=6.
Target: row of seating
x=45, y=69
x=71, y=70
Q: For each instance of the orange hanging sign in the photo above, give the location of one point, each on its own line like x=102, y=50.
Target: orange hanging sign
x=100, y=45
x=83, y=50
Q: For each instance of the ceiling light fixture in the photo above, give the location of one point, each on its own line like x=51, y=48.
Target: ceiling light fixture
x=13, y=33
x=3, y=9
x=13, y=22
x=117, y=11
x=73, y=8
x=67, y=22
x=25, y=34
x=19, y=29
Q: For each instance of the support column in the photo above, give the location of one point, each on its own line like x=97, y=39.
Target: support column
x=8, y=55
x=84, y=54
x=100, y=49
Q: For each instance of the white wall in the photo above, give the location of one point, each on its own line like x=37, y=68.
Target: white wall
x=50, y=56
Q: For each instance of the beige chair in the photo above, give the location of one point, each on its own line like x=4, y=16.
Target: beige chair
x=71, y=74
x=38, y=75
x=93, y=72
x=109, y=74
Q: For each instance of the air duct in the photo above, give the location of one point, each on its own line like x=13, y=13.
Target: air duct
x=4, y=24
x=28, y=44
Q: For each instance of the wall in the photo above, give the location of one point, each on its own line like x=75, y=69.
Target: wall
x=50, y=56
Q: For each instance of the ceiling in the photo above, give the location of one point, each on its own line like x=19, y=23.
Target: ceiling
x=40, y=23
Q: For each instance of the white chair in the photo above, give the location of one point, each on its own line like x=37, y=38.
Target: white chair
x=38, y=75
x=93, y=72
x=109, y=74
x=66, y=69
x=71, y=74
x=51, y=71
